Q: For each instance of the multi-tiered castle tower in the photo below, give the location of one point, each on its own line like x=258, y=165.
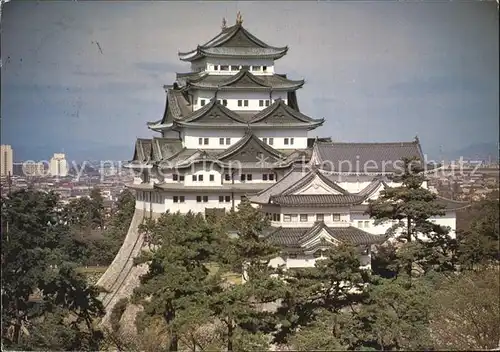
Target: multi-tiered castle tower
x=231, y=127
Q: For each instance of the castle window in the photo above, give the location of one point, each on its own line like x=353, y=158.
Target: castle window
x=249, y=177
x=268, y=102
x=336, y=217
x=179, y=199
x=287, y=217
x=264, y=177
x=205, y=141
x=221, y=141
x=245, y=67
x=367, y=224
x=240, y=102
x=256, y=68
x=264, y=68
x=271, y=141
x=360, y=224
x=200, y=178
x=320, y=217
x=224, y=67
x=212, y=177
x=195, y=178
x=224, y=199
x=175, y=177
x=227, y=177
x=245, y=102
x=271, y=177
x=291, y=141
x=202, y=102
x=294, y=217
x=303, y=217
x=261, y=102
x=264, y=140
x=200, y=141
x=243, y=177
x=200, y=199
x=181, y=178
x=286, y=141
x=224, y=102
x=228, y=141
x=218, y=101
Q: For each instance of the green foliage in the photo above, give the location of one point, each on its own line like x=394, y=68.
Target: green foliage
x=103, y=250
x=318, y=336
x=39, y=285
x=466, y=311
x=335, y=283
x=396, y=315
x=479, y=245
x=178, y=283
x=239, y=307
x=410, y=206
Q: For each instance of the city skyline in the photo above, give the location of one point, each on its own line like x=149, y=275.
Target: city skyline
x=83, y=78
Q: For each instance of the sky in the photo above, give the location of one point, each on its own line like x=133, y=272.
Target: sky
x=84, y=77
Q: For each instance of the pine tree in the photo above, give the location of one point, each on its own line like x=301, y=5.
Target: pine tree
x=178, y=284
x=411, y=206
x=39, y=285
x=335, y=284
x=240, y=307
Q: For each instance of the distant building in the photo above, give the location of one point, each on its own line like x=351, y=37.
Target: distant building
x=34, y=169
x=6, y=158
x=58, y=165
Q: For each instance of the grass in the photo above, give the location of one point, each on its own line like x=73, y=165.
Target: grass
x=231, y=277
x=92, y=269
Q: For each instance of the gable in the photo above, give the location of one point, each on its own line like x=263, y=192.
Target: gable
x=321, y=236
x=316, y=186
x=252, y=151
x=244, y=79
x=375, y=193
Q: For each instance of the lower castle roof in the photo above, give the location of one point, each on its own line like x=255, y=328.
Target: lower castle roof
x=248, y=153
x=302, y=238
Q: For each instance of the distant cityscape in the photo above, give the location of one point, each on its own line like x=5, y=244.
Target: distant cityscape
x=69, y=180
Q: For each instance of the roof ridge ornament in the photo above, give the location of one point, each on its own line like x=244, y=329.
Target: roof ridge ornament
x=239, y=18
x=224, y=23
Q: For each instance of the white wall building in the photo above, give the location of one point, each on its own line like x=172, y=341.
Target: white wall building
x=58, y=166
x=231, y=127
x=325, y=202
x=6, y=160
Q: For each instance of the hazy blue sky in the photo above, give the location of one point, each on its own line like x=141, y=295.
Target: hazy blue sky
x=375, y=71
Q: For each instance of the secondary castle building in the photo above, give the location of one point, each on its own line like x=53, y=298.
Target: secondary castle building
x=325, y=202
x=231, y=127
